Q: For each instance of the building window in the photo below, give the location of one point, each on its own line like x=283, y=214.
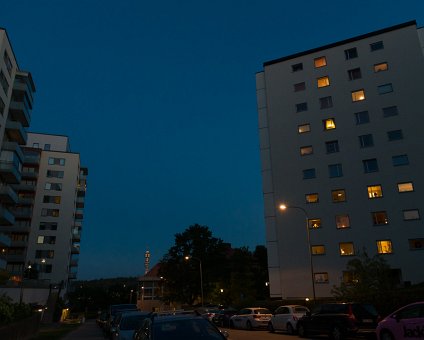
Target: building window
x=400, y=160
x=386, y=88
x=338, y=195
x=2, y=106
x=329, y=124
x=48, y=226
x=346, y=249
x=4, y=83
x=47, y=147
x=326, y=102
x=53, y=186
x=318, y=250
x=56, y=161
x=301, y=107
x=41, y=239
x=35, y=145
x=54, y=174
x=323, y=81
x=314, y=223
x=304, y=128
x=351, y=53
x=50, y=212
x=349, y=277
x=394, y=135
x=416, y=244
x=376, y=46
x=297, y=67
x=320, y=62
x=381, y=67
x=358, y=95
x=370, y=165
x=309, y=173
x=311, y=198
x=51, y=199
x=321, y=277
x=384, y=247
x=362, y=117
x=335, y=170
x=332, y=146
x=299, y=87
x=306, y=150
x=342, y=221
x=405, y=187
x=375, y=191
x=411, y=214
x=44, y=254
x=379, y=218
x=354, y=74
x=366, y=141
x=390, y=111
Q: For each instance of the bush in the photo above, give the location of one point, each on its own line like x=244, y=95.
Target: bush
x=10, y=312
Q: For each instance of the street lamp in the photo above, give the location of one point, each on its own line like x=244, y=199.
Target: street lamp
x=308, y=238
x=201, y=273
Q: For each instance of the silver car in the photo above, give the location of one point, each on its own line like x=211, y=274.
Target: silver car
x=249, y=318
x=285, y=318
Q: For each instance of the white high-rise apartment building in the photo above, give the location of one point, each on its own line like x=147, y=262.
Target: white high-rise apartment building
x=342, y=147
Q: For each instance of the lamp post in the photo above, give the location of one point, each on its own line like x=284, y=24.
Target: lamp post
x=308, y=238
x=201, y=273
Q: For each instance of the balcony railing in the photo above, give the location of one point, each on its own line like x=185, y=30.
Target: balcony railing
x=16, y=132
x=20, y=112
x=8, y=195
x=6, y=217
x=10, y=172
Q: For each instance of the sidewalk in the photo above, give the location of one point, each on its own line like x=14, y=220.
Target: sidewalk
x=87, y=331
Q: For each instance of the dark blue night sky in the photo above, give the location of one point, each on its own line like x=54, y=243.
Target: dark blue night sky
x=159, y=99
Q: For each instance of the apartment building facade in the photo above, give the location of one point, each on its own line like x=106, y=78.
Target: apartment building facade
x=341, y=146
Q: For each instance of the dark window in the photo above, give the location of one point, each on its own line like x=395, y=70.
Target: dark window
x=2, y=106
x=366, y=141
x=370, y=165
x=297, y=67
x=362, y=117
x=354, y=74
x=335, y=170
x=376, y=46
x=386, y=88
x=49, y=254
x=301, y=107
x=416, y=244
x=400, y=160
x=299, y=87
x=57, y=174
x=325, y=102
x=379, y=218
x=332, y=146
x=351, y=53
x=394, y=135
x=390, y=111
x=48, y=226
x=309, y=173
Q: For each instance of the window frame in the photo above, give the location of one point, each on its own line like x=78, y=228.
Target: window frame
x=351, y=53
x=323, y=81
x=325, y=102
x=379, y=218
x=339, y=219
x=364, y=115
x=381, y=67
x=358, y=95
x=370, y=165
x=380, y=246
x=299, y=130
x=385, y=88
x=351, y=245
x=412, y=217
x=332, y=146
x=354, y=73
x=338, y=193
x=375, y=191
x=335, y=170
x=304, y=148
x=320, y=62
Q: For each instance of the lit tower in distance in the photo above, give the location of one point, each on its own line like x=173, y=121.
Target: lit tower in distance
x=146, y=261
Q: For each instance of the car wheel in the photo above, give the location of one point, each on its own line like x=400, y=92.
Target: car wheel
x=271, y=327
x=301, y=331
x=386, y=335
x=336, y=333
x=248, y=326
x=290, y=329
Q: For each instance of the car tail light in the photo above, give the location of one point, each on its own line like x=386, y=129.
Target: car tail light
x=351, y=315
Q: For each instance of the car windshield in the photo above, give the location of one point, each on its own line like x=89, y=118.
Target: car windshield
x=262, y=311
x=301, y=310
x=364, y=309
x=186, y=329
x=131, y=322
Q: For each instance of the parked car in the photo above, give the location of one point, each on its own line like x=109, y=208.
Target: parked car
x=405, y=323
x=285, y=318
x=179, y=326
x=208, y=313
x=249, y=318
x=126, y=323
x=112, y=311
x=338, y=320
x=102, y=319
x=222, y=318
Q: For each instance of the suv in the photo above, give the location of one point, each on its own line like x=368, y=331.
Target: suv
x=338, y=320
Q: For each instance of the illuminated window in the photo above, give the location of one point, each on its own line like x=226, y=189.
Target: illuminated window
x=405, y=187
x=349, y=277
x=358, y=95
x=306, y=150
x=381, y=67
x=394, y=135
x=299, y=87
x=342, y=221
x=390, y=111
x=384, y=247
x=304, y=128
x=375, y=191
x=40, y=239
x=309, y=173
x=376, y=46
x=366, y=141
x=311, y=198
x=297, y=67
x=386, y=88
x=351, y=53
x=379, y=218
x=416, y=244
x=325, y=102
x=338, y=195
x=332, y=146
x=320, y=62
x=318, y=250
x=301, y=107
x=323, y=81
x=400, y=160
x=354, y=74
x=46, y=239
x=321, y=277
x=412, y=214
x=335, y=170
x=314, y=223
x=362, y=117
x=329, y=124
x=370, y=165
x=346, y=249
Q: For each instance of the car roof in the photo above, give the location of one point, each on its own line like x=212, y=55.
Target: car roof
x=166, y=318
x=133, y=312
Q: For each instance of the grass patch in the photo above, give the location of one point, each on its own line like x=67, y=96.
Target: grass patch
x=55, y=331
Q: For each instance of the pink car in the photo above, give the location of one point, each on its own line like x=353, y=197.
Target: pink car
x=405, y=323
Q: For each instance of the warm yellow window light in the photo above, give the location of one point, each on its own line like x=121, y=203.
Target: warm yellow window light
x=323, y=81
x=329, y=124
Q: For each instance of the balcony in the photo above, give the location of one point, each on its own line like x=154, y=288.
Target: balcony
x=76, y=237
x=75, y=250
x=72, y=276
x=27, y=187
x=19, y=112
x=6, y=217
x=16, y=132
x=29, y=175
x=8, y=195
x=31, y=156
x=5, y=240
x=26, y=200
x=14, y=147
x=14, y=228
x=73, y=263
x=9, y=172
x=22, y=212
x=15, y=258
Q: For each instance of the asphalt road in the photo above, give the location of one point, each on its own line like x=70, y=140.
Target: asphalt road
x=237, y=334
